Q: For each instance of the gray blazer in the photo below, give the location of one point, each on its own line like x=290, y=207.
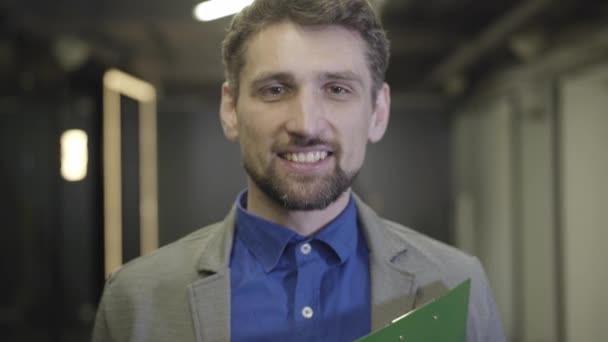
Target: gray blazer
x=181, y=292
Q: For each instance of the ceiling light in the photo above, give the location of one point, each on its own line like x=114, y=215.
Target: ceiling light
x=214, y=9
x=71, y=52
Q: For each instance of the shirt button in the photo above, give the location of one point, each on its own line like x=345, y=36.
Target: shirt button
x=307, y=312
x=305, y=248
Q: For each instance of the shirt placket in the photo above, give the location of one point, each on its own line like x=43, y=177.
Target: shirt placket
x=307, y=308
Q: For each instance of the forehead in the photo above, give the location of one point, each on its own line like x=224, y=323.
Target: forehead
x=305, y=51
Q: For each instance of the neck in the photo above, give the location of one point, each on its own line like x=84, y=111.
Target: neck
x=303, y=222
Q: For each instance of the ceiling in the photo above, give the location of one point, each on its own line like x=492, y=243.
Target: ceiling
x=442, y=46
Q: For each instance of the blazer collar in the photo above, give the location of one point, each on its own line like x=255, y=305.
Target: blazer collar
x=402, y=277
x=383, y=245
x=216, y=248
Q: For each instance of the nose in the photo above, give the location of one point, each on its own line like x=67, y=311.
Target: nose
x=307, y=116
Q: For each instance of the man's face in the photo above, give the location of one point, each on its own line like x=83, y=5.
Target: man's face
x=304, y=113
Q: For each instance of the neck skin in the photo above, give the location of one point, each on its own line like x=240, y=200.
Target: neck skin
x=303, y=222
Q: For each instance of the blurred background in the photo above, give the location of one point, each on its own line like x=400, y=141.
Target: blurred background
x=497, y=144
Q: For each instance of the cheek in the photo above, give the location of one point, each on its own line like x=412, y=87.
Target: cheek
x=250, y=143
x=254, y=136
x=354, y=145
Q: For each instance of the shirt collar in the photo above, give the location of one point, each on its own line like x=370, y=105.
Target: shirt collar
x=342, y=234
x=267, y=240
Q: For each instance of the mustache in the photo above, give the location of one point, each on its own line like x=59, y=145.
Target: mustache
x=301, y=141
x=305, y=141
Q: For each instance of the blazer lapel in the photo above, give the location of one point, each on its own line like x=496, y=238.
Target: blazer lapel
x=402, y=278
x=210, y=307
x=210, y=295
x=389, y=301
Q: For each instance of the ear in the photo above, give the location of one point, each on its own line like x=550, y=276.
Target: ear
x=379, y=120
x=228, y=113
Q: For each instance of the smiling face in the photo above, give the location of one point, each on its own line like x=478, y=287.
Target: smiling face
x=304, y=113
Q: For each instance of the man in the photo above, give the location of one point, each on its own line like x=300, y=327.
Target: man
x=299, y=257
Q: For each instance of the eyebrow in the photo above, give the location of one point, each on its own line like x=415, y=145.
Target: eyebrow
x=289, y=78
x=342, y=76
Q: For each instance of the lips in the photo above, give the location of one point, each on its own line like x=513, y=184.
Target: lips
x=312, y=160
x=305, y=157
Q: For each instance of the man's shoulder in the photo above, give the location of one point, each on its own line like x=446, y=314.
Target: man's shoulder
x=176, y=260
x=422, y=242
x=451, y=262
x=419, y=253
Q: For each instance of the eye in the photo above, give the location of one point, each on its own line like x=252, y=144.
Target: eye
x=338, y=90
x=274, y=91
x=278, y=90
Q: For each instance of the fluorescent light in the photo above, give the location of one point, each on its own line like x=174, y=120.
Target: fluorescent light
x=214, y=9
x=74, y=155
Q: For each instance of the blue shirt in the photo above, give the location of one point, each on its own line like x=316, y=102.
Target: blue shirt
x=287, y=287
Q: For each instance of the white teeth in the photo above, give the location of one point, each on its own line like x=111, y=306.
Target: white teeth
x=309, y=157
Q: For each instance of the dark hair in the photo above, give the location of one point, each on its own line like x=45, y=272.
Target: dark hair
x=354, y=15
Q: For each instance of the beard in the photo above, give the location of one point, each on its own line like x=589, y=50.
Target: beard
x=298, y=192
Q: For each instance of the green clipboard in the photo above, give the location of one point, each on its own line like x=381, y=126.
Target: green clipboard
x=441, y=320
